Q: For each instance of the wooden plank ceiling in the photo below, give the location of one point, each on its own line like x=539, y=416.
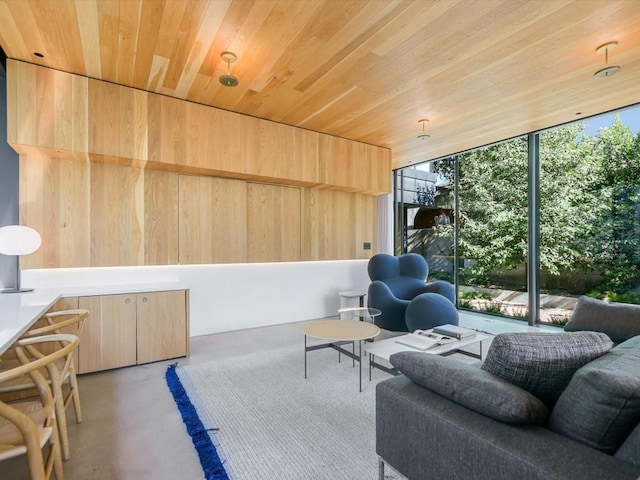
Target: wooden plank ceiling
x=367, y=70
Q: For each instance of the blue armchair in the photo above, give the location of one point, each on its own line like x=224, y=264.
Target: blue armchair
x=398, y=288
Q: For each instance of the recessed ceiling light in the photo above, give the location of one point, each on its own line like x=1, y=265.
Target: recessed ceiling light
x=607, y=71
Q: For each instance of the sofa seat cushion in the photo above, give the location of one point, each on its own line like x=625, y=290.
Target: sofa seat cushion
x=543, y=363
x=471, y=387
x=601, y=405
x=620, y=321
x=630, y=449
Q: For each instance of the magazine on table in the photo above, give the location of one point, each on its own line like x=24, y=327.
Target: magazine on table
x=454, y=331
x=424, y=340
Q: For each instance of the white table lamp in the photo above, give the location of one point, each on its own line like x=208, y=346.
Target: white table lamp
x=18, y=240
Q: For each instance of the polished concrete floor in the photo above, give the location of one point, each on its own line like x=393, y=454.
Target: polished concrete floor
x=131, y=427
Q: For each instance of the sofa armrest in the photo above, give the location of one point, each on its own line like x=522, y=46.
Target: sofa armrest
x=423, y=435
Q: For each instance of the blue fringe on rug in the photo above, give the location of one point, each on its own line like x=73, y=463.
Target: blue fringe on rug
x=209, y=458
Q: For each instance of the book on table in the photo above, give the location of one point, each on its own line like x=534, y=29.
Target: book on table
x=454, y=331
x=424, y=340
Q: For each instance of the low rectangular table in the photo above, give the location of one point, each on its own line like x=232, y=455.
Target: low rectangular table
x=385, y=348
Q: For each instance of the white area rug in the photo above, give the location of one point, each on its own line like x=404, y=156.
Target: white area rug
x=273, y=424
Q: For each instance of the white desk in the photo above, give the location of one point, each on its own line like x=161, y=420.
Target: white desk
x=18, y=311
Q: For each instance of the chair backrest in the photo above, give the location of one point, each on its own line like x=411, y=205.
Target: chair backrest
x=32, y=359
x=405, y=275
x=32, y=434
x=58, y=321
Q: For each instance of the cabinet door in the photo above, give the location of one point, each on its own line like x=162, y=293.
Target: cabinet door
x=108, y=338
x=162, y=325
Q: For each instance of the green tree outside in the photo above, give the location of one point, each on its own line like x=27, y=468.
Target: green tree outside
x=590, y=206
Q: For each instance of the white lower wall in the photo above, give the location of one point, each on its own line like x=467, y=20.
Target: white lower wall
x=226, y=297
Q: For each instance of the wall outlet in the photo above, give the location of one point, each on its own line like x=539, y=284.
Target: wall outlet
x=367, y=245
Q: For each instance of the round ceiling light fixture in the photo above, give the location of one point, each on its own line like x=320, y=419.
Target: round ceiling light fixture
x=423, y=136
x=607, y=71
x=228, y=80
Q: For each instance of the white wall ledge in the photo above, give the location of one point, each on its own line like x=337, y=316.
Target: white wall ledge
x=225, y=297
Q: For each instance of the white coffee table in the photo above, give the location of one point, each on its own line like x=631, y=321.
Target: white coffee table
x=339, y=332
x=385, y=348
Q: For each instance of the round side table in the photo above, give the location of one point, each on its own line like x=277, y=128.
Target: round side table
x=339, y=332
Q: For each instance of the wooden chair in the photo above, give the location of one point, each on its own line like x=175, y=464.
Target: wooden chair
x=26, y=427
x=64, y=321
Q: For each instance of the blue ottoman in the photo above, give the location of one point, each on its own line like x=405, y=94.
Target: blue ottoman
x=429, y=310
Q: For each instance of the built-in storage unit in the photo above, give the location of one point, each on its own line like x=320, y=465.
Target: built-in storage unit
x=113, y=176
x=133, y=328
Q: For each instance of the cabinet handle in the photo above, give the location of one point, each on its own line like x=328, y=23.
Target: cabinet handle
x=144, y=300
x=128, y=300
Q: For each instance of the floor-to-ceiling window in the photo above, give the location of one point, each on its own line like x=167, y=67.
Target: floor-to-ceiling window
x=491, y=191
x=589, y=213
x=477, y=204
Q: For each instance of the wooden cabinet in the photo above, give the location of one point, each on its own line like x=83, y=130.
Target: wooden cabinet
x=108, y=338
x=161, y=326
x=128, y=329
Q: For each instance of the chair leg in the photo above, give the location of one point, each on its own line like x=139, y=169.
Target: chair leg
x=35, y=460
x=380, y=469
x=61, y=417
x=57, y=462
x=75, y=393
x=54, y=454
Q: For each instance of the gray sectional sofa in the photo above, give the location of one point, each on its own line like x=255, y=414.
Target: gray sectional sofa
x=562, y=406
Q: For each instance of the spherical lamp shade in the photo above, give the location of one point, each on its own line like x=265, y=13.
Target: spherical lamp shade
x=19, y=240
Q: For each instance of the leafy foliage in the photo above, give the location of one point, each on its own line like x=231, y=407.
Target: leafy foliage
x=589, y=205
x=474, y=294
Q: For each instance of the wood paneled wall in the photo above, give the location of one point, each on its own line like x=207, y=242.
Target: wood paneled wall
x=160, y=218
x=276, y=237
x=68, y=116
x=213, y=220
x=114, y=176
x=94, y=214
x=337, y=224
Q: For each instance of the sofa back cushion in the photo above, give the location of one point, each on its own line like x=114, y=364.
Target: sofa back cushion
x=620, y=321
x=543, y=363
x=601, y=405
x=471, y=387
